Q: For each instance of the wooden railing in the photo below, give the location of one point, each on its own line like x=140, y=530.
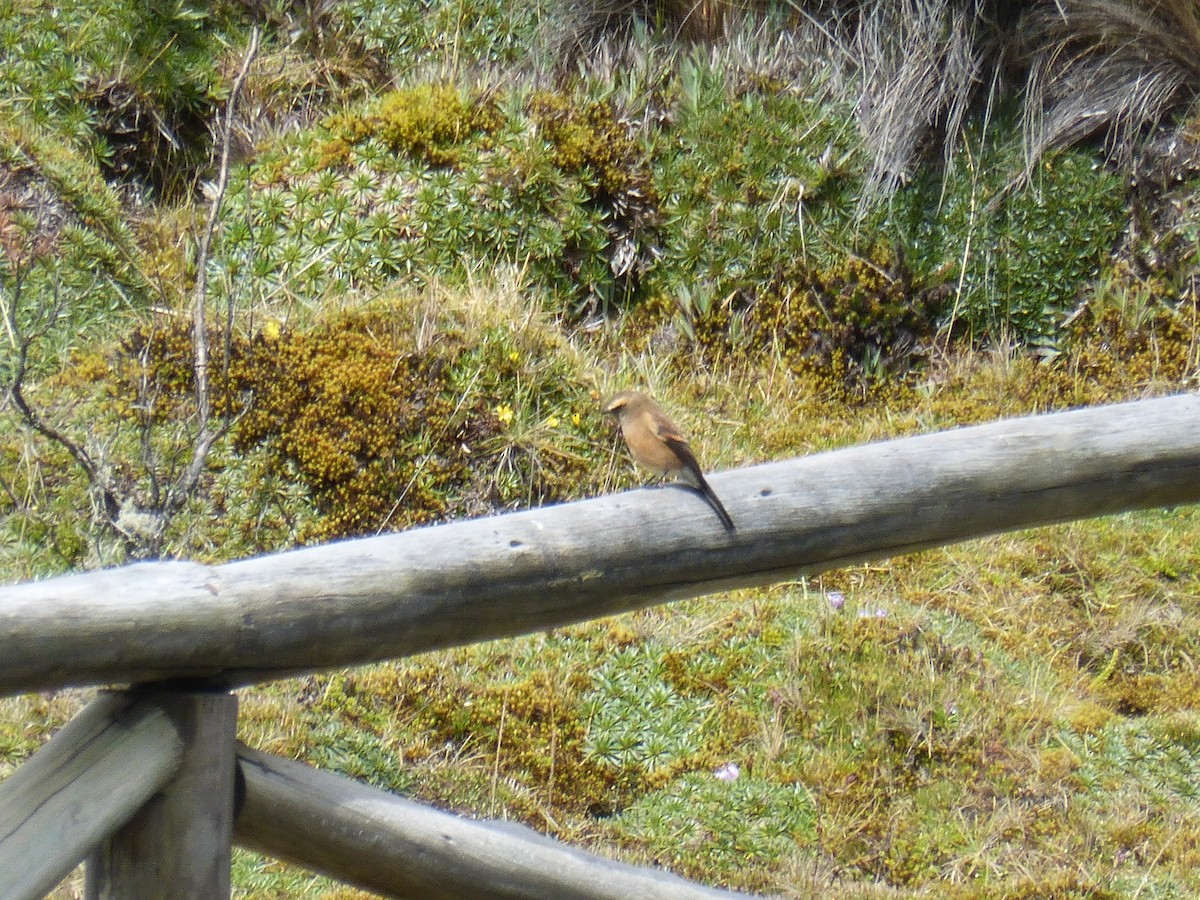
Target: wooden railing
x=148, y=784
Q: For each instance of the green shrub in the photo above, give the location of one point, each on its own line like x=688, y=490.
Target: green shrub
x=132, y=80
x=69, y=262
x=638, y=721
x=589, y=144
x=762, y=250
x=859, y=322
x=753, y=179
x=1018, y=255
x=429, y=185
x=462, y=32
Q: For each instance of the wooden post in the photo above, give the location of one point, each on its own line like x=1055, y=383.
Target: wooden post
x=88, y=780
x=177, y=846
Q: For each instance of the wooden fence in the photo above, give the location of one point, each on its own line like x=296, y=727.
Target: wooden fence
x=149, y=786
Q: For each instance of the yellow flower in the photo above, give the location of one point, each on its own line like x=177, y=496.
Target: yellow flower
x=514, y=356
x=552, y=422
x=504, y=413
x=576, y=418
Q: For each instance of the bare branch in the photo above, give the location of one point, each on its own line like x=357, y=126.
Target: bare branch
x=207, y=436
x=24, y=340
x=200, y=333
x=16, y=387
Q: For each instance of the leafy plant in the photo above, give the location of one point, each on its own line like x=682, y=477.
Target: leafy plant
x=1016, y=254
x=701, y=823
x=636, y=719
x=133, y=80
x=422, y=188
x=751, y=178
x=444, y=32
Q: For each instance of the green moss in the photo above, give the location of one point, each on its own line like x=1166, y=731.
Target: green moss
x=1150, y=692
x=527, y=726
x=365, y=420
x=1089, y=717
x=360, y=424
x=1108, y=346
x=1051, y=886
x=588, y=138
x=428, y=122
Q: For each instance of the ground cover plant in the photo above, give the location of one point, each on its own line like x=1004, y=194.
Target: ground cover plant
x=447, y=237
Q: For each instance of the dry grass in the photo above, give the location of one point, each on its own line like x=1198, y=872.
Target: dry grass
x=1109, y=67
x=919, y=64
x=1008, y=717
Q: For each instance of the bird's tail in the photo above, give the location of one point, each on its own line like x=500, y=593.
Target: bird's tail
x=718, y=507
x=692, y=475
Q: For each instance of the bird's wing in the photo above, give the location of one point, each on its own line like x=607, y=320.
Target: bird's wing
x=670, y=435
x=666, y=429
x=692, y=475
x=684, y=452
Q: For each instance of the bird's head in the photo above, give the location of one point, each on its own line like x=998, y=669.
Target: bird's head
x=626, y=402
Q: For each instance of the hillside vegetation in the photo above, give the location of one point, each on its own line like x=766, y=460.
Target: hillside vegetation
x=448, y=230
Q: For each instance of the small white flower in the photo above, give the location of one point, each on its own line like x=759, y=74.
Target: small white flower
x=728, y=772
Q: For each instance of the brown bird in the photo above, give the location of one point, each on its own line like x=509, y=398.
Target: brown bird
x=655, y=442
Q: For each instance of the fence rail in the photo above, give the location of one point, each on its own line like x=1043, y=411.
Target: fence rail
x=385, y=843
x=384, y=597
x=194, y=629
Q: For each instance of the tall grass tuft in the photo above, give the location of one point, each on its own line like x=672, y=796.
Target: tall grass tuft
x=919, y=65
x=1114, y=68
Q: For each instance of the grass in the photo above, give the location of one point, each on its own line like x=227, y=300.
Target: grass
x=1011, y=717
x=1007, y=717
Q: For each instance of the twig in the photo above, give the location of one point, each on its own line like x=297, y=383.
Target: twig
x=207, y=436
x=16, y=386
x=16, y=393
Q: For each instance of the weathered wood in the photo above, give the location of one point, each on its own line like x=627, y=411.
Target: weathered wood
x=367, y=600
x=89, y=779
x=178, y=846
x=390, y=845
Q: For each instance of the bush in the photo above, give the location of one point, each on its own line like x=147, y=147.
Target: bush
x=1017, y=254
x=69, y=262
x=432, y=182
x=751, y=181
x=364, y=420
x=132, y=80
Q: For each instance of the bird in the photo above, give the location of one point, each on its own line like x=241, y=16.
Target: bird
x=656, y=443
